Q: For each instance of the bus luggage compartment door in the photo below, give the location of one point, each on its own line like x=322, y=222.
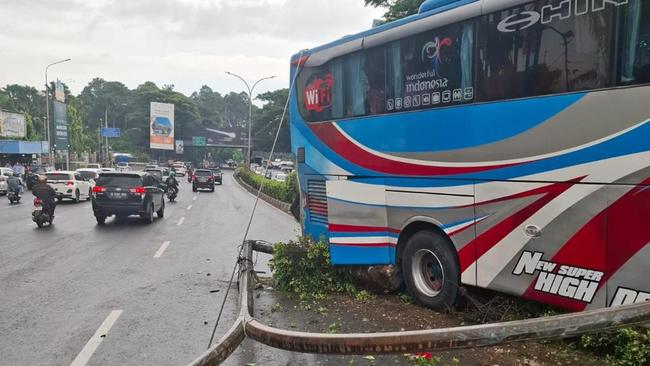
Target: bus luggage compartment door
x=358, y=232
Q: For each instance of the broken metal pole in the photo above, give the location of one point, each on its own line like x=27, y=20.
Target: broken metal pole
x=483, y=335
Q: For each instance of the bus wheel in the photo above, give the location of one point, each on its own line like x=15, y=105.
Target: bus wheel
x=431, y=270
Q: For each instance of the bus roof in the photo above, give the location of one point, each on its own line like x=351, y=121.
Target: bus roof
x=433, y=13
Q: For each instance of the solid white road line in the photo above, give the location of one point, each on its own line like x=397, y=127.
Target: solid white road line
x=84, y=356
x=180, y=222
x=189, y=207
x=162, y=249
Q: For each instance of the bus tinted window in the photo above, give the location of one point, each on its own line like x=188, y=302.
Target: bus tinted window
x=431, y=69
x=365, y=82
x=320, y=92
x=555, y=54
x=634, y=43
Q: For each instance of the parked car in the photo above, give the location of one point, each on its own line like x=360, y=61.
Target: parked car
x=124, y=194
x=203, y=179
x=70, y=185
x=217, y=175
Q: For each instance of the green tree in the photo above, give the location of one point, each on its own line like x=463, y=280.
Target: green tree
x=267, y=121
x=79, y=141
x=397, y=9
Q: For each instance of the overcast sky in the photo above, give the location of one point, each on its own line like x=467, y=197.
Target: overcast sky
x=187, y=43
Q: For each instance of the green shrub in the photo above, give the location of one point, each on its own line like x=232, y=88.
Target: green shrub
x=624, y=347
x=283, y=191
x=303, y=267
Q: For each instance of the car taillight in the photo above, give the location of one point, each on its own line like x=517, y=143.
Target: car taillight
x=210, y=178
x=69, y=183
x=37, y=201
x=98, y=189
x=138, y=190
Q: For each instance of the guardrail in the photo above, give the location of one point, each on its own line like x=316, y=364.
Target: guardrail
x=554, y=327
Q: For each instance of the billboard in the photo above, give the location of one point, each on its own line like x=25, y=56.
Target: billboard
x=162, y=126
x=12, y=124
x=219, y=137
x=59, y=91
x=60, y=126
x=180, y=147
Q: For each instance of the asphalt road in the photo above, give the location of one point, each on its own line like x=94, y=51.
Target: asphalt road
x=61, y=285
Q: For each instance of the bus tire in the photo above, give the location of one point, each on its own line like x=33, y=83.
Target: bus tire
x=431, y=271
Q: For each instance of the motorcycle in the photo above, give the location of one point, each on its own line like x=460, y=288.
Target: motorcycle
x=14, y=197
x=172, y=193
x=39, y=216
x=189, y=177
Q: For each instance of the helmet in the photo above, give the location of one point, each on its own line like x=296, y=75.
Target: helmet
x=42, y=179
x=173, y=173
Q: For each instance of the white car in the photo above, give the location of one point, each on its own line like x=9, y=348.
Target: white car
x=70, y=185
x=123, y=167
x=180, y=169
x=4, y=173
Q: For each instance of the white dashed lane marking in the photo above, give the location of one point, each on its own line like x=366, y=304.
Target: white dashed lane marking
x=180, y=222
x=189, y=207
x=161, y=250
x=86, y=353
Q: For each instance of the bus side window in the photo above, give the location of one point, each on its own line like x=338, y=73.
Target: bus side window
x=559, y=56
x=634, y=44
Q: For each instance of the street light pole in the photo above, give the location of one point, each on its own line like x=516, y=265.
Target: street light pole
x=250, y=109
x=47, y=106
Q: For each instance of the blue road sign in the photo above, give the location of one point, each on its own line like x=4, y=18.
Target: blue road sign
x=111, y=132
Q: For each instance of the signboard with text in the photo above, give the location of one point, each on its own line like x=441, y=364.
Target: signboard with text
x=111, y=132
x=61, y=140
x=180, y=147
x=162, y=126
x=219, y=137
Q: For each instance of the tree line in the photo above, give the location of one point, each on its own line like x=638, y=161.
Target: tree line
x=128, y=109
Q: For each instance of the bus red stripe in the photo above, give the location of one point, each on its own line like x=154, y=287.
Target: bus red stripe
x=486, y=241
x=336, y=141
x=361, y=229
x=371, y=245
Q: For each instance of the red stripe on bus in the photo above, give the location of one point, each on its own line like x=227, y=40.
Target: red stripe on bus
x=341, y=145
x=486, y=241
x=622, y=225
x=371, y=245
x=361, y=229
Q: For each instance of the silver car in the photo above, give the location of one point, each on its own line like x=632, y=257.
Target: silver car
x=4, y=173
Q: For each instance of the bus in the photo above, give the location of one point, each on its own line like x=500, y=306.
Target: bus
x=500, y=144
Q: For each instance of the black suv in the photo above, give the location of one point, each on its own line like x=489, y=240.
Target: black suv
x=203, y=179
x=126, y=194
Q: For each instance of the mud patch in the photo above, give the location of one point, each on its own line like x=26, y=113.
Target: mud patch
x=381, y=313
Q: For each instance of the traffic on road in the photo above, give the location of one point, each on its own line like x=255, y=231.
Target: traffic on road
x=129, y=257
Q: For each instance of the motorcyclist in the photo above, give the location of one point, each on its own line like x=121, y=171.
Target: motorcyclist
x=15, y=184
x=46, y=194
x=171, y=182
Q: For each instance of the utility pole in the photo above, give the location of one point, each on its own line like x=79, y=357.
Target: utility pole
x=250, y=110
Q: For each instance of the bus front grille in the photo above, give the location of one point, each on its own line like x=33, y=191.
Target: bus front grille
x=317, y=201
